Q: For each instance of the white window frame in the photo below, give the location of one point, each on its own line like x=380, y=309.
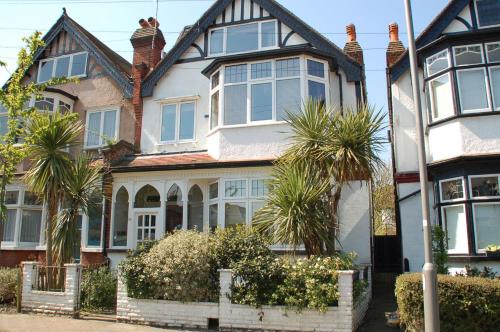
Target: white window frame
x=445, y=228
x=431, y=97
x=214, y=90
x=454, y=48
x=178, y=121
x=259, y=42
x=214, y=201
x=478, y=21
x=102, y=111
x=317, y=79
x=482, y=176
x=476, y=110
x=455, y=199
x=143, y=212
x=85, y=232
x=478, y=250
x=448, y=57
x=57, y=98
x=69, y=66
x=495, y=107
x=486, y=51
x=112, y=226
x=256, y=81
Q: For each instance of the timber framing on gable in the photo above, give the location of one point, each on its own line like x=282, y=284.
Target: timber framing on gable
x=353, y=71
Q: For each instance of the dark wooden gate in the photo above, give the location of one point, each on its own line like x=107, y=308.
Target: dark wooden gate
x=387, y=252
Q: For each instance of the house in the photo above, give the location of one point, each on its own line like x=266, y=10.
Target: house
x=103, y=100
x=459, y=69
x=213, y=111
x=201, y=125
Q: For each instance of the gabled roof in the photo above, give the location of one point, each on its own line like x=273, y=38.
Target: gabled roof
x=432, y=32
x=353, y=70
x=116, y=66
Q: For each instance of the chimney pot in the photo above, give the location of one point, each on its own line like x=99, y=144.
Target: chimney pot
x=393, y=32
x=153, y=22
x=144, y=24
x=351, y=32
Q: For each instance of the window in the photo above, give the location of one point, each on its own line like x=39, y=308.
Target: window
x=287, y=87
x=195, y=208
x=484, y=186
x=495, y=86
x=441, y=97
x=243, y=38
x=213, y=208
x=235, y=214
x=472, y=90
x=9, y=227
x=177, y=122
x=147, y=197
x=235, y=188
x=146, y=227
x=468, y=55
x=316, y=84
x=174, y=215
x=437, y=63
x=259, y=190
x=45, y=104
x=53, y=102
x=452, y=189
x=73, y=65
x=486, y=224
x=11, y=197
x=455, y=223
x=3, y=125
x=214, y=100
x=488, y=12
x=94, y=226
x=120, y=225
x=102, y=127
x=30, y=225
x=493, y=52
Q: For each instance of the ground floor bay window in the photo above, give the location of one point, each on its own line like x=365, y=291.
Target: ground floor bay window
x=470, y=213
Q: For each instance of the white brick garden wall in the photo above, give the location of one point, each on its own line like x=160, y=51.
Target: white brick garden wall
x=62, y=303
x=347, y=316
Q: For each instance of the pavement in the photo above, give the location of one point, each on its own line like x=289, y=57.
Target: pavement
x=383, y=300
x=42, y=323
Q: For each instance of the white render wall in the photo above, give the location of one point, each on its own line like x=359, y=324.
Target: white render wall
x=347, y=316
x=62, y=303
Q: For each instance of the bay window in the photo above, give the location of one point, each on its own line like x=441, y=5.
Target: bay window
x=235, y=202
x=455, y=223
x=243, y=38
x=265, y=91
x=177, y=122
x=72, y=65
x=441, y=97
x=486, y=224
x=52, y=102
x=102, y=127
x=452, y=189
x=213, y=207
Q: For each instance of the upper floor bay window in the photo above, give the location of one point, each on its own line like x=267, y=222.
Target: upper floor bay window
x=72, y=65
x=480, y=226
x=488, y=13
x=178, y=122
x=476, y=73
x=102, y=127
x=265, y=91
x=243, y=38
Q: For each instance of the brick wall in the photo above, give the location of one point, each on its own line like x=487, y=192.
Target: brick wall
x=13, y=258
x=61, y=303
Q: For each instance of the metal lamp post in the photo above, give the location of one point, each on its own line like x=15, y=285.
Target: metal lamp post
x=431, y=310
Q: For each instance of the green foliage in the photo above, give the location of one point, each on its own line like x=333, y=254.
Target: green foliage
x=465, y=304
x=440, y=249
x=98, y=289
x=134, y=274
x=8, y=284
x=302, y=283
x=297, y=208
x=383, y=202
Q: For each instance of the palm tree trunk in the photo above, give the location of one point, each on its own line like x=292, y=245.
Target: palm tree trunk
x=51, y=213
x=334, y=201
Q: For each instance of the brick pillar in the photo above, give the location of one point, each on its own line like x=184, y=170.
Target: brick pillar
x=346, y=301
x=72, y=286
x=226, y=280
x=29, y=277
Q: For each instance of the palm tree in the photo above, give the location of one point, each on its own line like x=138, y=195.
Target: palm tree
x=82, y=194
x=338, y=145
x=51, y=136
x=297, y=208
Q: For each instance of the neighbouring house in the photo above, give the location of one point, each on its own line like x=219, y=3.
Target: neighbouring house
x=213, y=111
x=459, y=68
x=102, y=99
x=199, y=127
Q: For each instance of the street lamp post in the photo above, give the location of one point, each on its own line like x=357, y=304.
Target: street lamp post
x=431, y=310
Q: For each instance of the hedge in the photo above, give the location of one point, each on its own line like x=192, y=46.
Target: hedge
x=98, y=289
x=8, y=284
x=465, y=303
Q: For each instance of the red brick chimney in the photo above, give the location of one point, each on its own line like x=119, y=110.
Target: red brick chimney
x=395, y=48
x=352, y=47
x=148, y=43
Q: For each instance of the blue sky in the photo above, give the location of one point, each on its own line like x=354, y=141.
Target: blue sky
x=113, y=23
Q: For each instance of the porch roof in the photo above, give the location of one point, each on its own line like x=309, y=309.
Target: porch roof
x=197, y=160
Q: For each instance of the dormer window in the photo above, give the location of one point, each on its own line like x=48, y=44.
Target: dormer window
x=488, y=13
x=72, y=65
x=243, y=38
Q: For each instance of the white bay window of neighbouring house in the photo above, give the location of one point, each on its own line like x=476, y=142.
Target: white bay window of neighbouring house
x=177, y=122
x=455, y=223
x=441, y=97
x=102, y=128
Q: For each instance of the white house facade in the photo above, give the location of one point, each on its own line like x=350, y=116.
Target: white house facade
x=211, y=120
x=459, y=69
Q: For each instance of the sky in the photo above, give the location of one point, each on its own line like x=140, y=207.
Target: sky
x=113, y=22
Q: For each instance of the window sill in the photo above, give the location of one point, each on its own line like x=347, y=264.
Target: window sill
x=90, y=249
x=245, y=125
x=463, y=115
x=13, y=247
x=470, y=258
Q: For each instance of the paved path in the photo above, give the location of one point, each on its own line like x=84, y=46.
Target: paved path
x=41, y=323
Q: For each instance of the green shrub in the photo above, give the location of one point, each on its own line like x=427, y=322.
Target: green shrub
x=304, y=283
x=98, y=289
x=472, y=271
x=465, y=303
x=134, y=275
x=440, y=249
x=8, y=284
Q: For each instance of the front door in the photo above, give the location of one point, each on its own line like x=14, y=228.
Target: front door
x=146, y=227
